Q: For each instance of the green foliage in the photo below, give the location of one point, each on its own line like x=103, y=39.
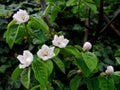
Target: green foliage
x=71, y=68
x=59, y=84
x=25, y=77
x=93, y=84
x=59, y=63
x=40, y=71
x=75, y=82
x=11, y=35
x=38, y=23
x=91, y=60
x=16, y=73
x=49, y=65
x=106, y=83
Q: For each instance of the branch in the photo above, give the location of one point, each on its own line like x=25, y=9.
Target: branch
x=86, y=30
x=46, y=17
x=87, y=23
x=82, y=23
x=108, y=21
x=100, y=21
x=110, y=24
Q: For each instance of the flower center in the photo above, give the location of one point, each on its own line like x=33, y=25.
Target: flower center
x=59, y=41
x=45, y=53
x=22, y=17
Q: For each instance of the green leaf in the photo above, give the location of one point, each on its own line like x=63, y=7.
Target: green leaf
x=117, y=53
x=56, y=51
x=51, y=0
x=38, y=22
x=87, y=62
x=71, y=50
x=93, y=84
x=82, y=66
x=55, y=11
x=59, y=63
x=25, y=77
x=49, y=65
x=50, y=88
x=35, y=87
x=11, y=35
x=106, y=83
x=117, y=60
x=75, y=82
x=83, y=60
x=46, y=11
x=92, y=7
x=3, y=68
x=59, y=84
x=16, y=74
x=90, y=60
x=11, y=23
x=116, y=75
x=78, y=46
x=40, y=72
x=97, y=3
x=71, y=2
x=21, y=34
x=71, y=73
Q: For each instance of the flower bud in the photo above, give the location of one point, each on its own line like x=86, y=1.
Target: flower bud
x=87, y=46
x=78, y=71
x=109, y=70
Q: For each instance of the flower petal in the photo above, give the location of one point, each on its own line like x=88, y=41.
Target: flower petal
x=28, y=54
x=21, y=58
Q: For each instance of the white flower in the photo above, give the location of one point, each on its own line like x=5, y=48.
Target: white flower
x=60, y=41
x=21, y=16
x=25, y=59
x=87, y=46
x=45, y=52
x=109, y=70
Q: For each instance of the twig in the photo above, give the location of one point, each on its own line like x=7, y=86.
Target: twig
x=110, y=24
x=86, y=30
x=87, y=23
x=46, y=17
x=100, y=21
x=80, y=22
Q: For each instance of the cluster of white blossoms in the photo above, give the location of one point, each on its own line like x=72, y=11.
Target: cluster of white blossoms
x=48, y=52
x=87, y=46
x=44, y=53
x=109, y=70
x=21, y=16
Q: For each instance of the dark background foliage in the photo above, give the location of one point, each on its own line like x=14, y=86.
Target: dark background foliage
x=101, y=28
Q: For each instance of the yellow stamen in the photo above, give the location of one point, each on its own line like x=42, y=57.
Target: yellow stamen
x=59, y=41
x=45, y=53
